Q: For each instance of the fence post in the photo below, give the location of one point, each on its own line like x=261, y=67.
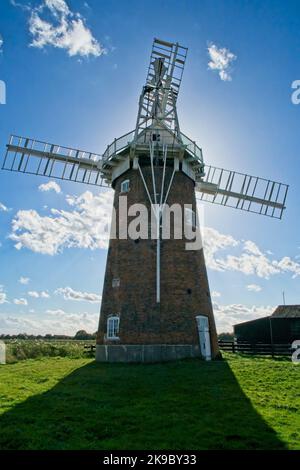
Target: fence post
x=271, y=336
x=233, y=347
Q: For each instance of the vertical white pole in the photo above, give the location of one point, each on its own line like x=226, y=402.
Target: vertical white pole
x=158, y=218
x=158, y=255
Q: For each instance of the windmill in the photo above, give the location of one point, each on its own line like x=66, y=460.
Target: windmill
x=156, y=302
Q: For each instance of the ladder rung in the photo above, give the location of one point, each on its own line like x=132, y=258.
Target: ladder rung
x=161, y=55
x=163, y=43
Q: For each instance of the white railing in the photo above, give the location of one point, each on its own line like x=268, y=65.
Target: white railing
x=125, y=140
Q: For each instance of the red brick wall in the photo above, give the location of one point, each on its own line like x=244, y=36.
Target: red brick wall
x=142, y=320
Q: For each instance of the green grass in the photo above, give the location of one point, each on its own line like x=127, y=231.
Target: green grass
x=69, y=403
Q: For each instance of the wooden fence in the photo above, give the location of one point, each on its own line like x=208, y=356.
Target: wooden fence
x=257, y=349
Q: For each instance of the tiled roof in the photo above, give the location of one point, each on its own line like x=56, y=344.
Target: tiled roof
x=287, y=311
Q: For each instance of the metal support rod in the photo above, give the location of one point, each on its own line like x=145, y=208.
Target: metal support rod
x=158, y=211
x=163, y=177
x=152, y=170
x=167, y=194
x=157, y=216
x=158, y=220
x=145, y=186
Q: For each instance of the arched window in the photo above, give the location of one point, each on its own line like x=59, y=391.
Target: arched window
x=125, y=186
x=113, y=327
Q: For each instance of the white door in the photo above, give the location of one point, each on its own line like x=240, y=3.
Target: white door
x=204, y=338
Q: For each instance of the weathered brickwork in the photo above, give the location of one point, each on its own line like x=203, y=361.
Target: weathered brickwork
x=184, y=284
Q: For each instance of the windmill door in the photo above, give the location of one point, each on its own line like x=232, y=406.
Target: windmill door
x=204, y=337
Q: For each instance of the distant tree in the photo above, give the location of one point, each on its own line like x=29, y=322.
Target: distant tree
x=82, y=334
x=226, y=336
x=22, y=336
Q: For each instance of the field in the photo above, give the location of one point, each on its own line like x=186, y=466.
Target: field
x=75, y=403
x=19, y=350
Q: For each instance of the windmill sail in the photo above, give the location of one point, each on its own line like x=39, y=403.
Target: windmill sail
x=34, y=157
x=157, y=121
x=242, y=191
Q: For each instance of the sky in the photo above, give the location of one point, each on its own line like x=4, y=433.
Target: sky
x=73, y=72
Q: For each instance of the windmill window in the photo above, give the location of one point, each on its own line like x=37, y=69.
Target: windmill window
x=116, y=282
x=125, y=186
x=156, y=137
x=113, y=327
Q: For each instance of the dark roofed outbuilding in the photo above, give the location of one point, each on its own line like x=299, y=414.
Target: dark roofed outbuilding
x=282, y=327
x=287, y=311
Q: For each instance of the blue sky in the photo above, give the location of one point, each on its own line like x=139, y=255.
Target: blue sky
x=82, y=90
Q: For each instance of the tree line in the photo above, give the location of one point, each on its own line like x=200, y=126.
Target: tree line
x=80, y=335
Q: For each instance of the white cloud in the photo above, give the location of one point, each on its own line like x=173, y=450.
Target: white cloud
x=286, y=264
x=228, y=315
x=44, y=295
x=57, y=6
x=52, y=322
x=33, y=294
x=51, y=186
x=37, y=295
x=246, y=263
x=253, y=288
x=3, y=297
x=213, y=241
x=3, y=208
x=66, y=30
x=220, y=60
x=20, y=5
x=58, y=321
x=87, y=226
x=70, y=294
x=251, y=260
x=20, y=301
x=1, y=43
x=24, y=280
x=215, y=294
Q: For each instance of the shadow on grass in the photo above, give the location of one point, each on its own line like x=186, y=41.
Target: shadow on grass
x=182, y=405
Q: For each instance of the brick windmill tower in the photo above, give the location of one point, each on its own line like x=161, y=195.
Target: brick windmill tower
x=156, y=302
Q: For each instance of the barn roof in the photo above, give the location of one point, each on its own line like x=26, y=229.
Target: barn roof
x=286, y=311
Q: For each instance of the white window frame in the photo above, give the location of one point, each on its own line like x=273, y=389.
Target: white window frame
x=115, y=282
x=125, y=186
x=112, y=327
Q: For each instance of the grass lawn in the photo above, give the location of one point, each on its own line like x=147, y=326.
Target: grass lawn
x=69, y=403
